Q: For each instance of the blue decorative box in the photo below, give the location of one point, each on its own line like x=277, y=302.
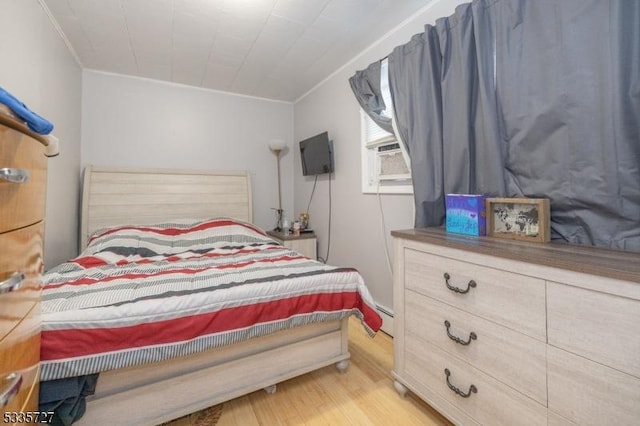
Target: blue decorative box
x=466, y=214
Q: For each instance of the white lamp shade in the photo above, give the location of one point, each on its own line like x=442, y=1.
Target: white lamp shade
x=277, y=144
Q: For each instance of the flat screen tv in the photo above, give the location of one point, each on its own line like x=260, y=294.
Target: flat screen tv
x=316, y=155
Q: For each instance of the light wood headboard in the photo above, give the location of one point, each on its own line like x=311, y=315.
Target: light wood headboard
x=120, y=196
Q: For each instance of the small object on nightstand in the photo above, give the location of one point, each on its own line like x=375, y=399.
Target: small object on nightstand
x=304, y=221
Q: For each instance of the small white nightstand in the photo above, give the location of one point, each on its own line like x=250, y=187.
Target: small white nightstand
x=305, y=243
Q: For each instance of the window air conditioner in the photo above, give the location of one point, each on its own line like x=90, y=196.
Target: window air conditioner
x=390, y=163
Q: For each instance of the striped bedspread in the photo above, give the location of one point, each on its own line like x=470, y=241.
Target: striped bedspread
x=147, y=293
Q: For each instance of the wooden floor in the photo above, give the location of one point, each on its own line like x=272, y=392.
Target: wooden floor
x=364, y=395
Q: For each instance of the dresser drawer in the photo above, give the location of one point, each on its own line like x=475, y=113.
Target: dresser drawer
x=597, y=326
x=513, y=300
x=511, y=357
x=20, y=354
x=21, y=252
x=21, y=204
x=588, y=393
x=494, y=403
x=32, y=396
x=26, y=398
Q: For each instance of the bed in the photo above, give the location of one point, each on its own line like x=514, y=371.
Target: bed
x=178, y=302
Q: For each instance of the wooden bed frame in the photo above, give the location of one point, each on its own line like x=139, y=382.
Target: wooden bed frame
x=154, y=393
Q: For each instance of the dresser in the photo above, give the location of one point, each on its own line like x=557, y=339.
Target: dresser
x=23, y=175
x=305, y=243
x=500, y=332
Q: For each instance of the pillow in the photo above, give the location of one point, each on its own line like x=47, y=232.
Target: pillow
x=175, y=237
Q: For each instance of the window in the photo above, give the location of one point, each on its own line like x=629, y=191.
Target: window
x=384, y=159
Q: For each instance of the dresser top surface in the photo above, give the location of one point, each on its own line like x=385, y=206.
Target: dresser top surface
x=618, y=264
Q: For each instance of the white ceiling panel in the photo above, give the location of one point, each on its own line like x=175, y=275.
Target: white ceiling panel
x=152, y=8
x=252, y=10
x=273, y=89
x=349, y=12
x=190, y=56
x=184, y=72
x=220, y=76
x=240, y=28
x=281, y=30
x=230, y=48
x=95, y=8
x=194, y=31
x=255, y=68
x=73, y=28
x=247, y=80
x=327, y=29
x=118, y=61
x=149, y=32
x=304, y=12
x=103, y=36
x=277, y=49
x=153, y=66
x=302, y=55
x=209, y=8
x=60, y=8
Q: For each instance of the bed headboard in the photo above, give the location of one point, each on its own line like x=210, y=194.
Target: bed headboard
x=119, y=196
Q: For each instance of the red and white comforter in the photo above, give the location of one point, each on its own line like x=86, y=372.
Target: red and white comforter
x=147, y=293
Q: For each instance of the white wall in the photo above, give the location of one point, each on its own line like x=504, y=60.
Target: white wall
x=38, y=69
x=134, y=122
x=356, y=232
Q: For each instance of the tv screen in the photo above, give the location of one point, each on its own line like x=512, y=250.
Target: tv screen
x=316, y=155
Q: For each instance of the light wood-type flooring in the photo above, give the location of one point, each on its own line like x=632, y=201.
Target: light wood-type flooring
x=363, y=395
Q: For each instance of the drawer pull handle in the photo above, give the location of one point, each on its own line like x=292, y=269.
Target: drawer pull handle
x=12, y=388
x=13, y=283
x=14, y=175
x=472, y=335
x=472, y=388
x=470, y=285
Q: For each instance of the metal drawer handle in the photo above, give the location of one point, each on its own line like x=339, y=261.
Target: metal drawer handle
x=13, y=283
x=472, y=388
x=14, y=175
x=471, y=284
x=472, y=335
x=12, y=389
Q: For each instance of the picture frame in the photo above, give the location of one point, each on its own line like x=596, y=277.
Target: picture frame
x=526, y=219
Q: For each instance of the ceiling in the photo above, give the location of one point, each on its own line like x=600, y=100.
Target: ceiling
x=276, y=49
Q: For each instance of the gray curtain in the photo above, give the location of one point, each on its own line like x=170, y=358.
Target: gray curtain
x=569, y=86
x=366, y=87
x=528, y=98
x=415, y=85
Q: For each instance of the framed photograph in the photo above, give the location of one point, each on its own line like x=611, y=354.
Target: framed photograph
x=518, y=218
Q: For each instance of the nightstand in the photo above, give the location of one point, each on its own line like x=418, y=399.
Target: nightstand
x=305, y=243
